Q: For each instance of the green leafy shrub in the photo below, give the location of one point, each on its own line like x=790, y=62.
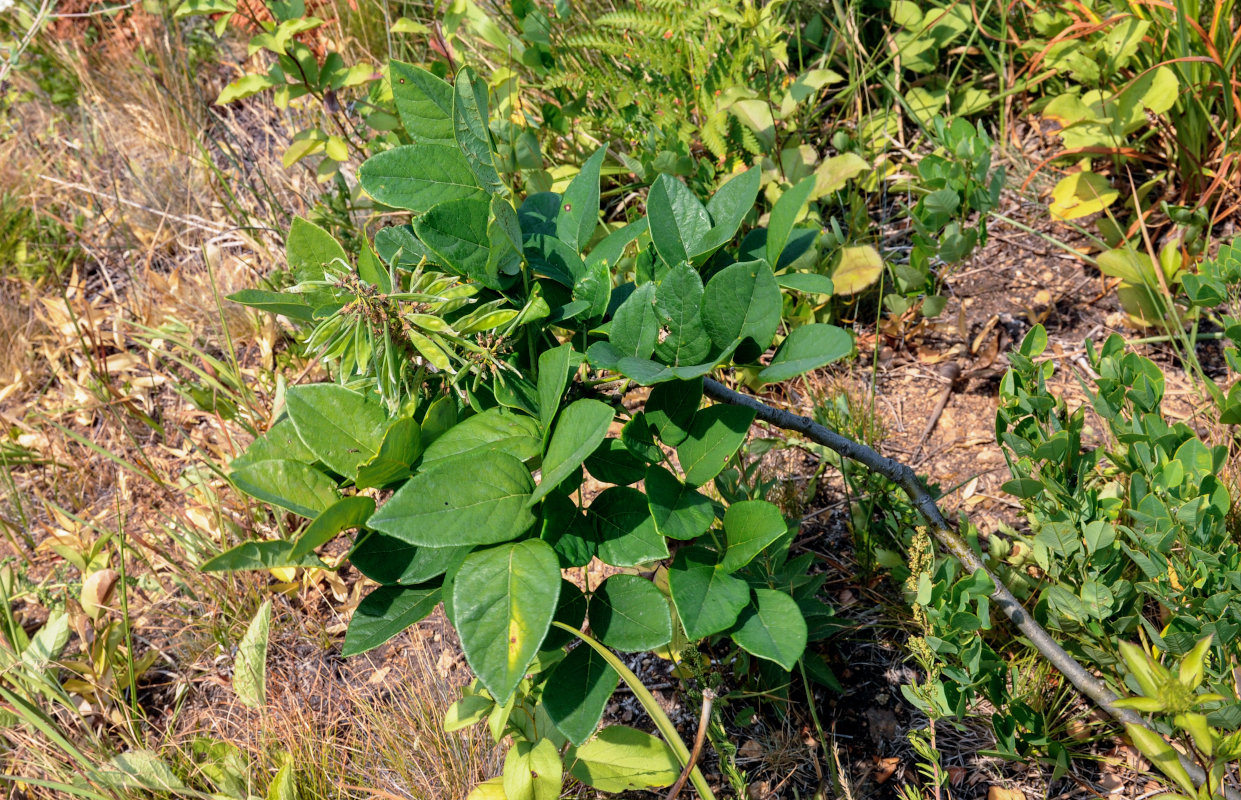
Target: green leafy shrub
x=474, y=354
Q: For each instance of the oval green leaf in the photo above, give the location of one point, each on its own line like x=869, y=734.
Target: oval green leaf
x=503, y=600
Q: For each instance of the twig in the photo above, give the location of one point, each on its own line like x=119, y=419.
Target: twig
x=708, y=697
x=903, y=476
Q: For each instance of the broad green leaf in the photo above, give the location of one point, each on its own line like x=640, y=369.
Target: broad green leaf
x=612, y=462
x=584, y=682
x=807, y=283
x=681, y=339
x=772, y=627
x=198, y=7
x=346, y=513
x=389, y=561
x=670, y=409
x=679, y=511
x=629, y=614
x=311, y=251
x=298, y=487
x=494, y=430
x=46, y=646
x=1081, y=194
x=579, y=206
x=620, y=759
x=784, y=214
x=727, y=209
x=469, y=116
x=707, y=599
x=504, y=599
x=246, y=86
x=272, y=554
x=283, y=784
x=398, y=246
x=578, y=432
x=401, y=445
x=635, y=326
x=550, y=257
x=290, y=305
x=418, y=176
x=532, y=771
x=750, y=525
x=554, y=369
x=858, y=268
x=807, y=347
x=571, y=611
x=281, y=442
x=467, y=712
x=742, y=302
x=612, y=248
x=372, y=270
x=456, y=231
x=716, y=433
x=492, y=789
x=1130, y=265
x=477, y=499
x=250, y=667
x=384, y=613
x=139, y=769
x=625, y=529
x=343, y=428
x=570, y=533
x=678, y=222
x=834, y=173
x=640, y=438
x=424, y=103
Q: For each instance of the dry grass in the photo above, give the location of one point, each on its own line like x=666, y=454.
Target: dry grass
x=125, y=382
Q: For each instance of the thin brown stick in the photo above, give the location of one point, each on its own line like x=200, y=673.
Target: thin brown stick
x=708, y=698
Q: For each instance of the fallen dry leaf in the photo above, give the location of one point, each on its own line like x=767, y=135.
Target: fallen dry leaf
x=885, y=768
x=1000, y=793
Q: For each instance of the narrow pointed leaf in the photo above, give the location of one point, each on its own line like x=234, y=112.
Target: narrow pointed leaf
x=579, y=207
x=469, y=115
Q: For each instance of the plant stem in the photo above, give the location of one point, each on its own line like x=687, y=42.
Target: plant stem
x=903, y=476
x=665, y=726
x=704, y=720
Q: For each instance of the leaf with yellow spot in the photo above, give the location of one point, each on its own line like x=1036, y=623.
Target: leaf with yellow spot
x=503, y=600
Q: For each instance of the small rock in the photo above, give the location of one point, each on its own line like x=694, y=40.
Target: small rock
x=883, y=724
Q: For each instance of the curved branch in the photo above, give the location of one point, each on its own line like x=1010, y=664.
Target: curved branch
x=903, y=476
